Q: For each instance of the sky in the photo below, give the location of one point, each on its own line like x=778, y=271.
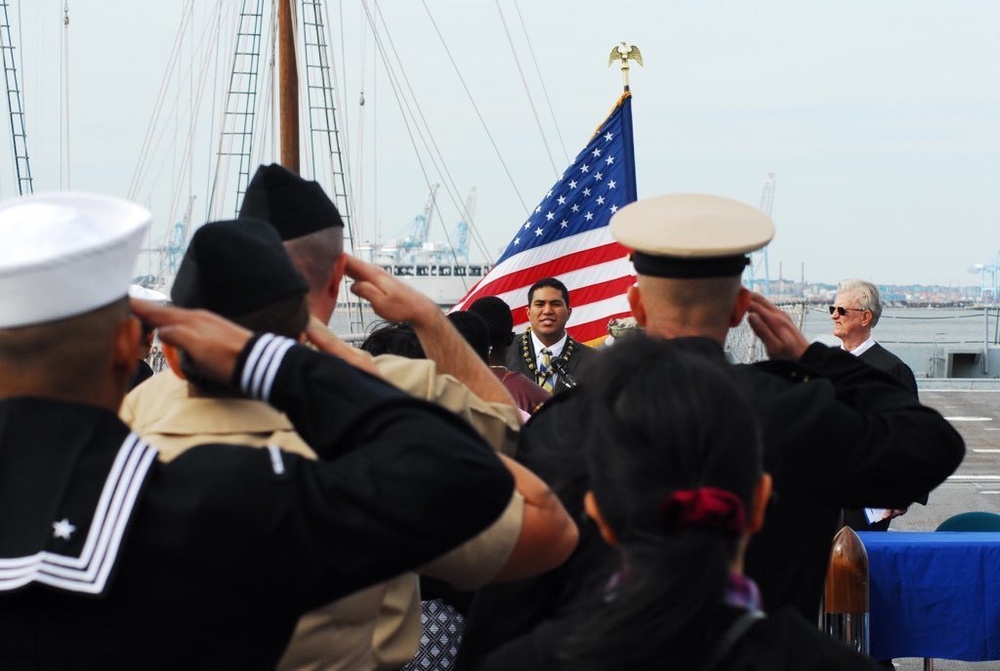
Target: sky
x=880, y=120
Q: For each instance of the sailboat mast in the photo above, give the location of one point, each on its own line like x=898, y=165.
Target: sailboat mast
x=288, y=85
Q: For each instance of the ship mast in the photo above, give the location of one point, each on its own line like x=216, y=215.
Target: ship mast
x=288, y=85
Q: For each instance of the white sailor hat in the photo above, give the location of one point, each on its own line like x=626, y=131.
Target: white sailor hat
x=690, y=235
x=65, y=254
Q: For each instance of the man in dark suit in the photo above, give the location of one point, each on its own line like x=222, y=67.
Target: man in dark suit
x=855, y=312
x=545, y=352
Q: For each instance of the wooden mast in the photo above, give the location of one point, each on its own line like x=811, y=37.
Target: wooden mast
x=288, y=86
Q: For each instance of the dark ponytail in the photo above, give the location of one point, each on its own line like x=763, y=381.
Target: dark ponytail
x=673, y=453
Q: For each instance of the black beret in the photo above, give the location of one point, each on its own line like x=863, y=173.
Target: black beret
x=294, y=206
x=235, y=267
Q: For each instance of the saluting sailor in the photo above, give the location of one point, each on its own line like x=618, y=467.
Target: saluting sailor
x=111, y=559
x=836, y=432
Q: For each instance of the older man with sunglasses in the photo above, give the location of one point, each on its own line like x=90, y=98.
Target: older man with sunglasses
x=855, y=312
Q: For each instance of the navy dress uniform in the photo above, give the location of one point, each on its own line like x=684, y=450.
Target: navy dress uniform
x=109, y=559
x=836, y=433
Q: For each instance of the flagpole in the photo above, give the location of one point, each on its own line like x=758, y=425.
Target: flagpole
x=625, y=52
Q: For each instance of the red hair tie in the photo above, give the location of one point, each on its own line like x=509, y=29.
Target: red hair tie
x=708, y=508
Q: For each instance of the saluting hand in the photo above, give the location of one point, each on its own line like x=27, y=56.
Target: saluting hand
x=212, y=342
x=776, y=330
x=391, y=299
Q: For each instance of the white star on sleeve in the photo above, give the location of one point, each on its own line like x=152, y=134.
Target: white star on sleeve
x=599, y=176
x=572, y=184
x=596, y=153
x=517, y=241
x=538, y=232
x=549, y=216
x=589, y=216
x=609, y=136
x=614, y=208
x=611, y=184
x=600, y=200
x=62, y=529
x=561, y=200
x=584, y=168
x=575, y=208
x=609, y=160
x=563, y=223
x=586, y=192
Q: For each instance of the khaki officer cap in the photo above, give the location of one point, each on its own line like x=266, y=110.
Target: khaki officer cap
x=691, y=235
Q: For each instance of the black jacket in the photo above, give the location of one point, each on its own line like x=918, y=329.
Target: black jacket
x=887, y=362
x=208, y=560
x=782, y=641
x=837, y=434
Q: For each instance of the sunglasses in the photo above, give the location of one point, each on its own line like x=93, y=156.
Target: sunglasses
x=843, y=311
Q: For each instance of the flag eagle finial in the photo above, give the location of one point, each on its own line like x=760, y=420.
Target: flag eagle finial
x=625, y=52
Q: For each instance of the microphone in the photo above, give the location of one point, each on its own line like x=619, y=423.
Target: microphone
x=559, y=366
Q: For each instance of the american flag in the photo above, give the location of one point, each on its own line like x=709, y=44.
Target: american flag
x=567, y=236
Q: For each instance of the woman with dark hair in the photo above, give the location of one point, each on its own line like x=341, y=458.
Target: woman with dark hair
x=677, y=486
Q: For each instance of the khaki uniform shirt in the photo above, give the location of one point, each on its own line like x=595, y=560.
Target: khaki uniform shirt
x=379, y=627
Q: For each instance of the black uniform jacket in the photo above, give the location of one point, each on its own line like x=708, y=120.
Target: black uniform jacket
x=521, y=358
x=112, y=560
x=782, y=641
x=884, y=360
x=837, y=433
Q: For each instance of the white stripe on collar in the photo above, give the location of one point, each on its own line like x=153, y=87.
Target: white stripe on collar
x=89, y=572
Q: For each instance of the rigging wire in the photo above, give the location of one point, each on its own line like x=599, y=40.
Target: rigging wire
x=197, y=87
x=527, y=91
x=223, y=161
x=64, y=66
x=545, y=89
x=345, y=158
x=270, y=101
x=476, y=235
x=398, y=93
x=432, y=148
x=138, y=174
x=475, y=107
x=359, y=175
x=430, y=145
x=156, y=138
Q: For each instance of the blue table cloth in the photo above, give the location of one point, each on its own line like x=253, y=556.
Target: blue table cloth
x=934, y=594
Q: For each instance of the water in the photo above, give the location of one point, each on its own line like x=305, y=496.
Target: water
x=934, y=342
x=920, y=336
x=915, y=326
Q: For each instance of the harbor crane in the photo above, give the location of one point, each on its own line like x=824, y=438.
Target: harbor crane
x=461, y=248
x=758, y=274
x=987, y=278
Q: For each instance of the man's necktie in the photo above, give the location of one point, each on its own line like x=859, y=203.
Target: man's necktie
x=545, y=370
